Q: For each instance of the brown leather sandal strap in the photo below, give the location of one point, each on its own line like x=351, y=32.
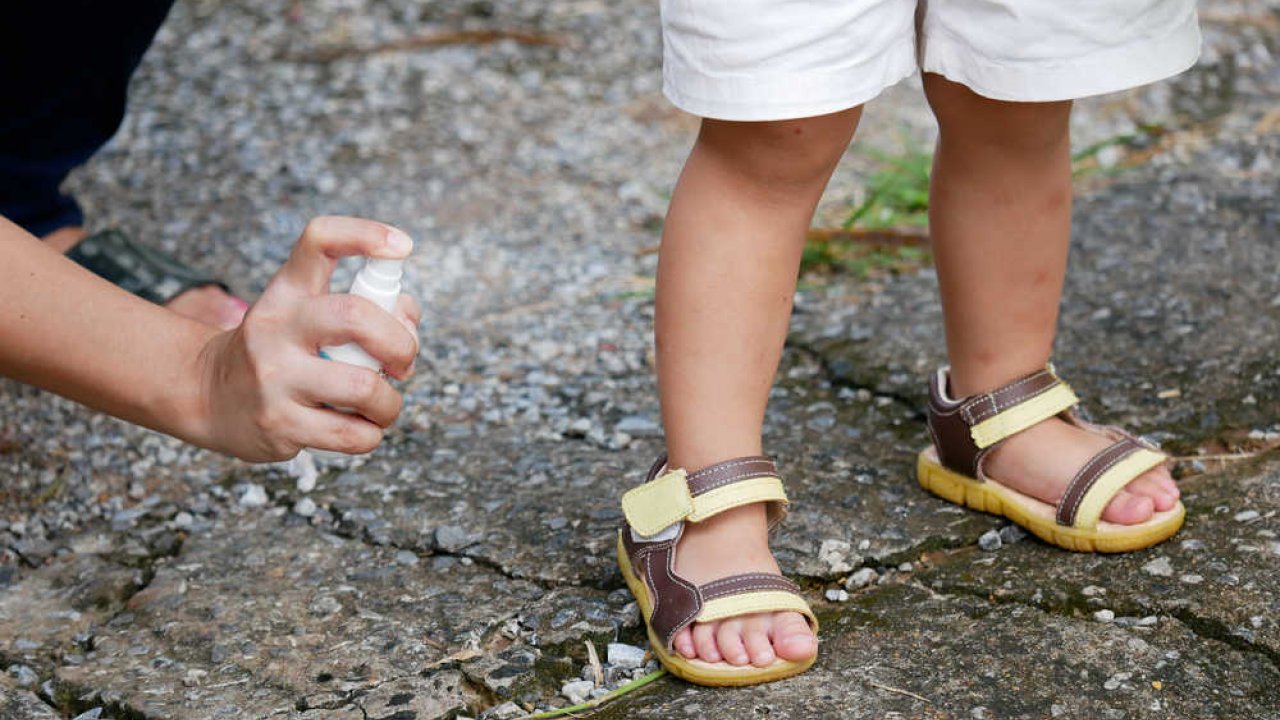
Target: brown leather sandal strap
x=744, y=583
x=1128, y=456
x=965, y=429
x=985, y=406
x=729, y=472
x=751, y=593
x=720, y=474
x=672, y=495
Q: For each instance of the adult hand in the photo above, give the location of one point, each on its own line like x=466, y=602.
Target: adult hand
x=266, y=394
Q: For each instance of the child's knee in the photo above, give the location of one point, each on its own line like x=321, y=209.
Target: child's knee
x=969, y=118
x=783, y=154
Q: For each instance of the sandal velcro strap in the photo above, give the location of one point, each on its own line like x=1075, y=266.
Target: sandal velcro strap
x=965, y=430
x=674, y=495
x=1009, y=410
x=1098, y=481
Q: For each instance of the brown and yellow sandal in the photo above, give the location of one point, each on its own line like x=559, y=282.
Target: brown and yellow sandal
x=656, y=513
x=967, y=430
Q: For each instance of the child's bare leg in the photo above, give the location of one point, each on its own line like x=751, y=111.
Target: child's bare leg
x=1000, y=218
x=726, y=278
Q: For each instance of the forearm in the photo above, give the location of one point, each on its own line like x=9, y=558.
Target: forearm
x=66, y=330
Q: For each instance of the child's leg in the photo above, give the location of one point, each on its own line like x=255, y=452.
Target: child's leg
x=726, y=278
x=1000, y=219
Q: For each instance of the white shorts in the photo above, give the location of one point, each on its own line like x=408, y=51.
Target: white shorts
x=782, y=59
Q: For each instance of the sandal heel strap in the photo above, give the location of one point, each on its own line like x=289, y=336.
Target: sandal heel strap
x=672, y=496
x=994, y=416
x=964, y=430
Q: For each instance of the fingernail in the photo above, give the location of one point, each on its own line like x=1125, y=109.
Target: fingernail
x=413, y=331
x=399, y=243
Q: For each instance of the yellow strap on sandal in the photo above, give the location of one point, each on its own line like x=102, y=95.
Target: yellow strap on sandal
x=1111, y=482
x=668, y=499
x=754, y=602
x=1022, y=415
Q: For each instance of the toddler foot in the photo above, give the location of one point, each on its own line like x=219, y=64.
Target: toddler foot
x=1041, y=460
x=209, y=304
x=737, y=541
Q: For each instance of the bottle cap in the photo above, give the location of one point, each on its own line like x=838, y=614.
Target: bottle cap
x=384, y=268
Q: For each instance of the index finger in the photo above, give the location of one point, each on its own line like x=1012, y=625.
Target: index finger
x=329, y=237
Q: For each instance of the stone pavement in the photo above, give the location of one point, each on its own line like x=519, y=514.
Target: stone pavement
x=459, y=570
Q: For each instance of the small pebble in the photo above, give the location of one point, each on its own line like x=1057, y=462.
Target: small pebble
x=93, y=714
x=1010, y=534
x=506, y=711
x=1192, y=579
x=860, y=579
x=990, y=541
x=625, y=656
x=25, y=676
x=406, y=557
x=1160, y=567
x=253, y=495
x=1092, y=590
x=183, y=520
x=906, y=567
x=577, y=691
x=305, y=507
x=1246, y=515
x=1104, y=616
x=837, y=595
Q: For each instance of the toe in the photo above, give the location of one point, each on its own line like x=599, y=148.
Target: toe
x=1164, y=479
x=704, y=642
x=1129, y=509
x=1148, y=486
x=729, y=640
x=755, y=635
x=793, y=639
x=683, y=643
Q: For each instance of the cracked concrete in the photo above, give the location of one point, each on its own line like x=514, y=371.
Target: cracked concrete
x=463, y=566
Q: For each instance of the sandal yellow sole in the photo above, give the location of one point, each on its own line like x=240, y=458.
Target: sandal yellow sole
x=1039, y=517
x=701, y=672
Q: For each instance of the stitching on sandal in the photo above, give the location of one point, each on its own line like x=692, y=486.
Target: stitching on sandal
x=1076, y=504
x=685, y=584
x=732, y=480
x=729, y=465
x=968, y=408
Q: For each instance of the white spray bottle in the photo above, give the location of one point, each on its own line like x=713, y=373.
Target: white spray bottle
x=379, y=282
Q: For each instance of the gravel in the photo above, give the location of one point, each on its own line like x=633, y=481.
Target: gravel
x=625, y=656
x=577, y=691
x=861, y=578
x=1160, y=567
x=252, y=495
x=304, y=507
x=23, y=675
